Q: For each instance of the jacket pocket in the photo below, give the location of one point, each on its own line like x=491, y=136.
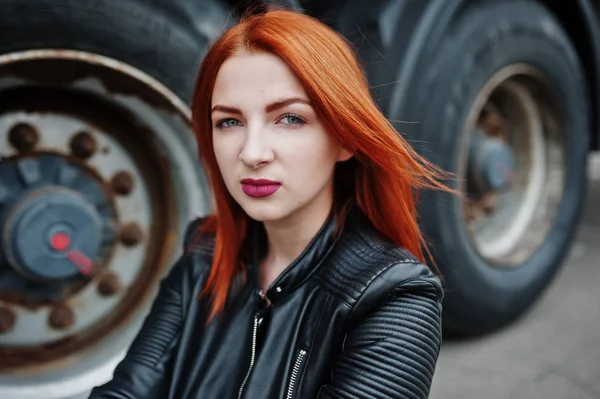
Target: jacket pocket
x=296, y=373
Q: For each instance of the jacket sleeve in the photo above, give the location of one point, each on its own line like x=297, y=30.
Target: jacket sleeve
x=144, y=372
x=392, y=352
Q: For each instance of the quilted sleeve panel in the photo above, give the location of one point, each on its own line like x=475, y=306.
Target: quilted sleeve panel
x=143, y=373
x=393, y=351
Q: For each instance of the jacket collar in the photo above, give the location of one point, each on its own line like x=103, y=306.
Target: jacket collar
x=302, y=267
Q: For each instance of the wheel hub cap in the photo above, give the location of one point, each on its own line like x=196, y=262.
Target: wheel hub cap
x=491, y=163
x=52, y=233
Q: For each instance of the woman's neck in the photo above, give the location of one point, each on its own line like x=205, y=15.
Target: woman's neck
x=287, y=239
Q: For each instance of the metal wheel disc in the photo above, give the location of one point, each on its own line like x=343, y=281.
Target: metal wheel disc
x=514, y=165
x=98, y=177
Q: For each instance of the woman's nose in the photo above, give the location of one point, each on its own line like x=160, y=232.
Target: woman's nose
x=256, y=151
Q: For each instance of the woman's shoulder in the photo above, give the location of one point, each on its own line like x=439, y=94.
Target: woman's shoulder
x=366, y=268
x=199, y=237
x=197, y=250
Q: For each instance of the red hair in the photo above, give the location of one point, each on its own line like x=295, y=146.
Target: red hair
x=384, y=176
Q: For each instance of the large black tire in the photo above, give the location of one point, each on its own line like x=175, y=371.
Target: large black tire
x=164, y=38
x=489, y=35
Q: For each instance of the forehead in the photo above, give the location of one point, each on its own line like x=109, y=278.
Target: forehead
x=255, y=77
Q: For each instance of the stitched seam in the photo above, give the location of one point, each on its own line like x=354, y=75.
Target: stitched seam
x=379, y=273
x=420, y=278
x=323, y=284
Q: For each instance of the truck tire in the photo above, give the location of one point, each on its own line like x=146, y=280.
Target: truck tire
x=98, y=177
x=165, y=39
x=506, y=110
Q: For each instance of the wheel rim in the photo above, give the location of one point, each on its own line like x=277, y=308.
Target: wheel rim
x=99, y=170
x=513, y=165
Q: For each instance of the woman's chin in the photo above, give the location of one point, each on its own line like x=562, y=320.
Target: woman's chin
x=263, y=211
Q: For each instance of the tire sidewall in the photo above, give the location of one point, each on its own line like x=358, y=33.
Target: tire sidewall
x=140, y=34
x=486, y=39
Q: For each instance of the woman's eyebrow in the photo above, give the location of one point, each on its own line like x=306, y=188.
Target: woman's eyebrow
x=285, y=102
x=229, y=110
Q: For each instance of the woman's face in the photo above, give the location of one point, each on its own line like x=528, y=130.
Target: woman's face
x=275, y=156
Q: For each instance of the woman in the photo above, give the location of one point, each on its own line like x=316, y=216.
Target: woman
x=308, y=281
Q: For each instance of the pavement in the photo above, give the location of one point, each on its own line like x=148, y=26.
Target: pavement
x=553, y=352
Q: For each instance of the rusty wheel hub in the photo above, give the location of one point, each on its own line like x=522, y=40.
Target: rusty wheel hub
x=74, y=225
x=513, y=165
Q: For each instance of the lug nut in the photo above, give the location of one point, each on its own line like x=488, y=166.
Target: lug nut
x=469, y=212
x=131, y=234
x=83, y=145
x=61, y=317
x=122, y=183
x=488, y=203
x=23, y=137
x=7, y=320
x=109, y=284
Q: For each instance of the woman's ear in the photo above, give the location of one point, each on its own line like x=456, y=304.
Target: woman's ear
x=344, y=155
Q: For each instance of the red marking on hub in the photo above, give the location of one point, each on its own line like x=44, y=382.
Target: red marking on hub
x=60, y=241
x=81, y=262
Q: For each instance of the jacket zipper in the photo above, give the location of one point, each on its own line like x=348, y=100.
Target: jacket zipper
x=252, y=357
x=257, y=321
x=295, y=371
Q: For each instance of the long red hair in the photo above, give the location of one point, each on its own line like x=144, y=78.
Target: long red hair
x=385, y=175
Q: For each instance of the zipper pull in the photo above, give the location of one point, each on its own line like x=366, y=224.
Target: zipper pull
x=261, y=295
x=262, y=299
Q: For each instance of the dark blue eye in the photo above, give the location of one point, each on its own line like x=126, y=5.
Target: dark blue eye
x=228, y=122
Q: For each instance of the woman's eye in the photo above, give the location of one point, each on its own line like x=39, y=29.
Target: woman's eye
x=228, y=122
x=292, y=119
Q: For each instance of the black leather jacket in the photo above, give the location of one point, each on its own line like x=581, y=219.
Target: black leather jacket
x=353, y=317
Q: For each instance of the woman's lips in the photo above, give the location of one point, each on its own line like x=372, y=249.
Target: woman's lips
x=259, y=188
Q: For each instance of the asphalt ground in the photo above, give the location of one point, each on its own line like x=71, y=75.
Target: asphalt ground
x=553, y=352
